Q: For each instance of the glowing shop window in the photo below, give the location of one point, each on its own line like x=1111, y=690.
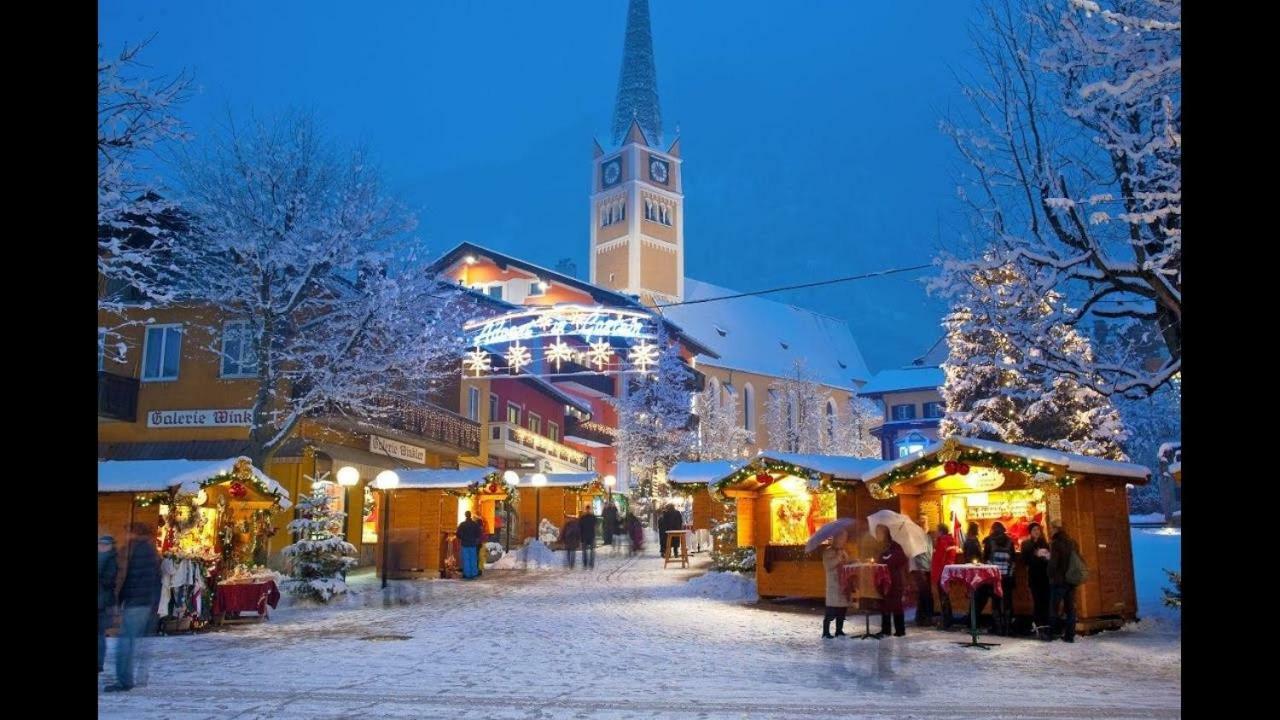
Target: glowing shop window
x=369, y=524
x=797, y=516
x=195, y=530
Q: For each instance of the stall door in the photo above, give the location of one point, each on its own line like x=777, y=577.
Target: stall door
x=1114, y=564
x=406, y=520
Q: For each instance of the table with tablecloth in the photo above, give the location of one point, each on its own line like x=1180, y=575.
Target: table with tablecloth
x=863, y=582
x=231, y=598
x=972, y=576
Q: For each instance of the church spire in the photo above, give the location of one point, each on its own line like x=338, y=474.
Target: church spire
x=638, y=82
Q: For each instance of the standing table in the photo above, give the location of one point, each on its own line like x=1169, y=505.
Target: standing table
x=683, y=560
x=861, y=582
x=973, y=576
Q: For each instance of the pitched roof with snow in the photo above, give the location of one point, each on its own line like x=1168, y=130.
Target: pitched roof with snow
x=560, y=479
x=842, y=467
x=451, y=479
x=186, y=475
x=1071, y=461
x=705, y=472
x=903, y=380
x=759, y=335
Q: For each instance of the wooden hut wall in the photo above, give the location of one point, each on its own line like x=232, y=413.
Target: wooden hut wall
x=707, y=511
x=419, y=519
x=117, y=511
x=1095, y=514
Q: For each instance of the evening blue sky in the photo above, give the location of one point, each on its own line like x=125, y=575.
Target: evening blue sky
x=809, y=129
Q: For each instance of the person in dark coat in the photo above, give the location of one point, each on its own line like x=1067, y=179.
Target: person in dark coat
x=896, y=558
x=610, y=522
x=972, y=548
x=998, y=550
x=587, y=533
x=572, y=535
x=469, y=534
x=108, y=568
x=1061, y=593
x=673, y=521
x=635, y=533
x=1035, y=557
x=139, y=602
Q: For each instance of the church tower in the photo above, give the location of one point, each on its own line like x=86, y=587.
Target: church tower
x=637, y=197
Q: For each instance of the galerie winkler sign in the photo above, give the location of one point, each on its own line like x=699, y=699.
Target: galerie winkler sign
x=200, y=418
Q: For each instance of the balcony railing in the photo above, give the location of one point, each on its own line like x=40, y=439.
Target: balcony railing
x=543, y=446
x=117, y=397
x=434, y=423
x=589, y=431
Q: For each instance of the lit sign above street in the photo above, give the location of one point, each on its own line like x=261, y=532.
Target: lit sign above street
x=543, y=340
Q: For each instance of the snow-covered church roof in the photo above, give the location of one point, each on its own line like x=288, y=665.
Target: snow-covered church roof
x=903, y=380
x=759, y=335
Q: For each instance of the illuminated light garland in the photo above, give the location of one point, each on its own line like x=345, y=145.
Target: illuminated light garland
x=477, y=361
x=600, y=353
x=643, y=355
x=481, y=487
x=1035, y=472
x=241, y=472
x=518, y=356
x=558, y=352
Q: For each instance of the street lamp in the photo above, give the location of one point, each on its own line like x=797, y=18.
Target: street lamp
x=348, y=476
x=386, y=481
x=511, y=477
x=538, y=481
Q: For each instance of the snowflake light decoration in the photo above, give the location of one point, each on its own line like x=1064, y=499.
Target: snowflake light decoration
x=477, y=361
x=600, y=353
x=559, y=351
x=643, y=355
x=517, y=357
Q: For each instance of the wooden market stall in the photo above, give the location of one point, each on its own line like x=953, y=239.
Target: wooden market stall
x=562, y=496
x=781, y=498
x=210, y=521
x=985, y=482
x=694, y=480
x=425, y=509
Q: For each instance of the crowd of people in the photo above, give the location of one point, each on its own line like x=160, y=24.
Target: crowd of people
x=1054, y=570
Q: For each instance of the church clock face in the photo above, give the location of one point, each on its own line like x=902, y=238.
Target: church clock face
x=612, y=172
x=658, y=170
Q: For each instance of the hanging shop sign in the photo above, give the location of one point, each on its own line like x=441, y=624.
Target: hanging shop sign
x=397, y=449
x=562, y=340
x=200, y=418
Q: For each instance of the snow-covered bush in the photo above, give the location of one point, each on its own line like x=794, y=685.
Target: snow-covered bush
x=1173, y=595
x=495, y=551
x=547, y=532
x=726, y=556
x=319, y=560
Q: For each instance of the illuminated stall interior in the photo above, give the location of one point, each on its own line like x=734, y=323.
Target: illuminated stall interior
x=694, y=481
x=558, y=496
x=425, y=509
x=965, y=480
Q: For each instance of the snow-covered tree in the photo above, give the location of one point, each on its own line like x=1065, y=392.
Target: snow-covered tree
x=853, y=430
x=993, y=387
x=653, y=423
x=721, y=435
x=294, y=250
x=137, y=119
x=318, y=562
x=800, y=415
x=1075, y=146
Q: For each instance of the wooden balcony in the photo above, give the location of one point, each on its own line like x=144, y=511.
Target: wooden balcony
x=589, y=433
x=516, y=443
x=435, y=424
x=117, y=397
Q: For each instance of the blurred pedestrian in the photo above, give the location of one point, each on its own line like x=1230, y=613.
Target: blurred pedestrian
x=469, y=546
x=587, y=535
x=895, y=557
x=139, y=603
x=108, y=568
x=571, y=537
x=635, y=533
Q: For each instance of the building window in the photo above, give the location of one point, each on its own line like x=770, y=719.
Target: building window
x=513, y=413
x=473, y=403
x=163, y=349
x=553, y=431
x=494, y=291
x=915, y=442
x=536, y=288
x=933, y=410
x=238, y=358
x=831, y=421
x=493, y=408
x=748, y=407
x=535, y=424
x=613, y=212
x=903, y=412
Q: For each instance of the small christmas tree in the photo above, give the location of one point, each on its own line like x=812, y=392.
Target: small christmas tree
x=726, y=556
x=1173, y=595
x=319, y=560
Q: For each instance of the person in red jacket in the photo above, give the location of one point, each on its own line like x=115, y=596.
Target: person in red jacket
x=895, y=557
x=944, y=553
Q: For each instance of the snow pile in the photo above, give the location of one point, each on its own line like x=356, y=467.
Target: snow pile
x=534, y=555
x=727, y=586
x=1146, y=519
x=495, y=551
x=1154, y=551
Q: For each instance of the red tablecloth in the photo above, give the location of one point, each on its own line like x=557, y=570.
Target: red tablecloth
x=972, y=577
x=854, y=579
x=245, y=597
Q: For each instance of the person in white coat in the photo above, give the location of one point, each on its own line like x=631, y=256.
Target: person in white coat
x=833, y=556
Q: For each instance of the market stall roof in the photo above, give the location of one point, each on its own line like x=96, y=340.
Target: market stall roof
x=560, y=479
x=161, y=475
x=704, y=472
x=460, y=478
x=1070, y=461
x=842, y=467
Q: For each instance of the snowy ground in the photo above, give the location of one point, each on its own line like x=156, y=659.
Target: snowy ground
x=632, y=640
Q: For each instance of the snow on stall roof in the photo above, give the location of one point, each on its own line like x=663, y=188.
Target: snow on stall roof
x=706, y=472
x=1073, y=462
x=160, y=475
x=842, y=467
x=449, y=478
x=756, y=334
x=901, y=380
x=560, y=479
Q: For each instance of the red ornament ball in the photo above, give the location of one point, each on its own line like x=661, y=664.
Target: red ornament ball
x=764, y=479
x=951, y=467
x=237, y=490
x=963, y=469
x=493, y=487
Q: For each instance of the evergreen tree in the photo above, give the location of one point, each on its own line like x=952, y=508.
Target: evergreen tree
x=319, y=560
x=995, y=387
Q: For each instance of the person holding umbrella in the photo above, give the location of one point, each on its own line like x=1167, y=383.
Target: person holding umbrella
x=896, y=558
x=836, y=535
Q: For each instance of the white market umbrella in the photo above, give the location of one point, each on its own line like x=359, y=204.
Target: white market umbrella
x=909, y=535
x=828, y=531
